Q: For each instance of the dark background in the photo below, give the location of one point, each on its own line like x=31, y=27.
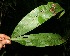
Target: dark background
x=14, y=10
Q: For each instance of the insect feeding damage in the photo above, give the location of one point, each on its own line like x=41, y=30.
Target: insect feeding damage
x=52, y=9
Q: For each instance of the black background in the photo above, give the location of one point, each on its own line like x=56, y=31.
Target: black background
x=21, y=8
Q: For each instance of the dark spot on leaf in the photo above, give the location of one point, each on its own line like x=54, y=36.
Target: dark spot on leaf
x=41, y=11
x=25, y=37
x=36, y=16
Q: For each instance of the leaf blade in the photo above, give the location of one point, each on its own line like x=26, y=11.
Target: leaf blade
x=35, y=18
x=40, y=40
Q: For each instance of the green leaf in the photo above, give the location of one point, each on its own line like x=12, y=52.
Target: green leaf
x=35, y=18
x=40, y=40
x=62, y=13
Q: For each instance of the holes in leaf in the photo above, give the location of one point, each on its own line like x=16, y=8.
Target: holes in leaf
x=25, y=37
x=35, y=16
x=52, y=9
x=41, y=11
x=54, y=5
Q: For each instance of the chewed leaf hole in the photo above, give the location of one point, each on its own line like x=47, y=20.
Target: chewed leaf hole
x=25, y=37
x=36, y=16
x=41, y=11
